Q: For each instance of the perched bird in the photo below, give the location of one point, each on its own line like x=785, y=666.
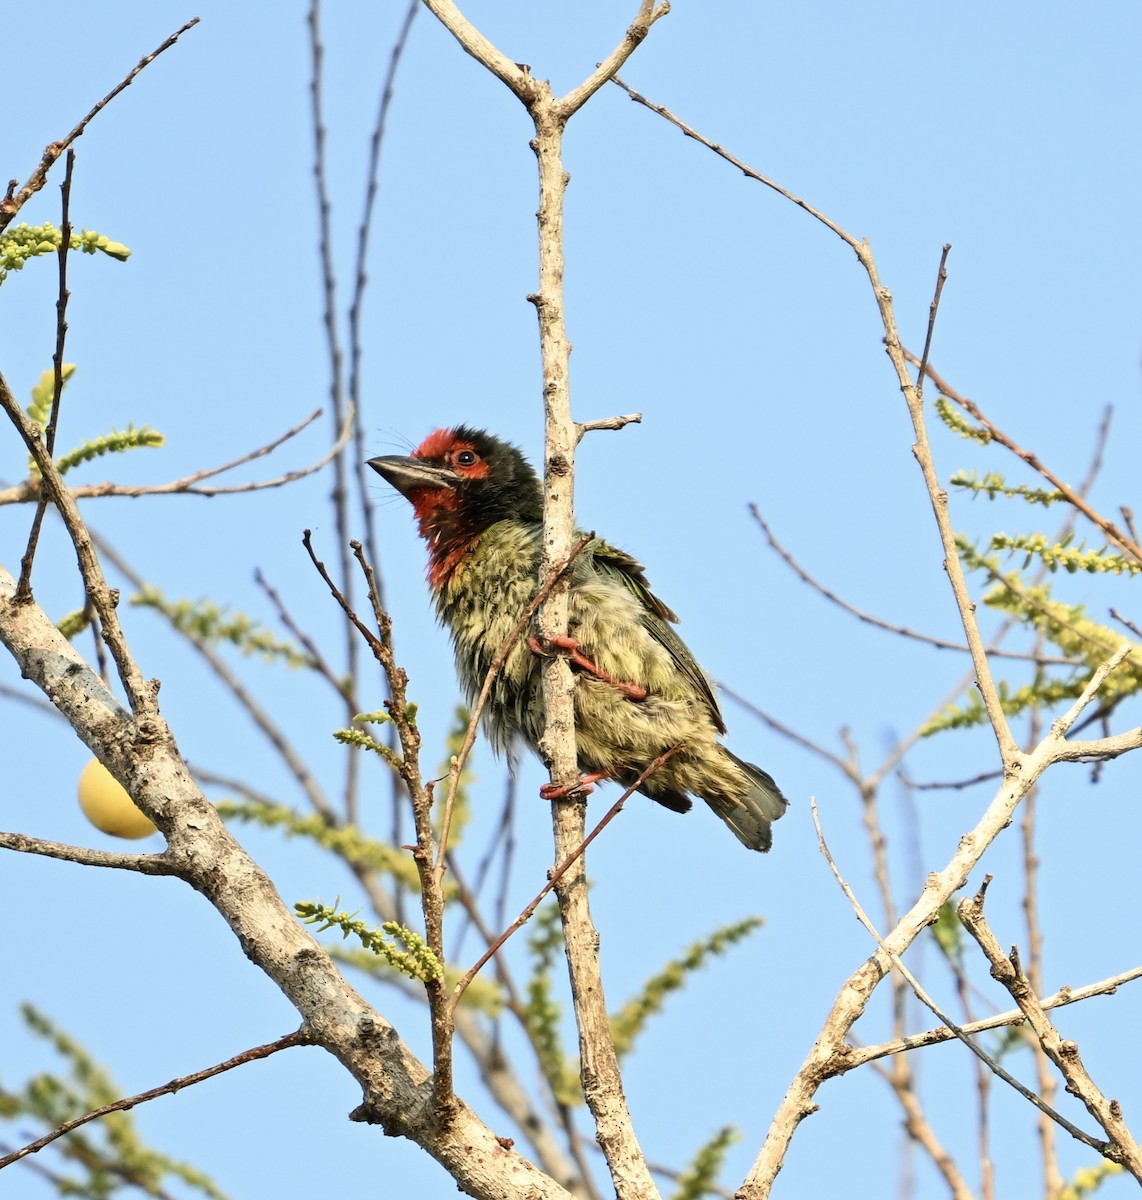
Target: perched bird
x=638, y=689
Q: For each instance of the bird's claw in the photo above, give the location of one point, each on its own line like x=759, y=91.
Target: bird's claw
x=576, y=657
x=581, y=788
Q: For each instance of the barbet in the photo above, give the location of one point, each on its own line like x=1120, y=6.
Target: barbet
x=638, y=689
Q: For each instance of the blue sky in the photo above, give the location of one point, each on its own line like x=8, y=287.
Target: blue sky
x=747, y=336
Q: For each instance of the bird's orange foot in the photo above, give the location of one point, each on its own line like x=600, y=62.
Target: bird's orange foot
x=581, y=787
x=576, y=657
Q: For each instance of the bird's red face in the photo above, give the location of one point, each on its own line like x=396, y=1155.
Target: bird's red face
x=446, y=449
x=460, y=482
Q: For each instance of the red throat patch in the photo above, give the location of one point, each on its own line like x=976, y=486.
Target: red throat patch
x=439, y=511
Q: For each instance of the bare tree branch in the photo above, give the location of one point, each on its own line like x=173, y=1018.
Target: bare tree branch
x=934, y=1037
x=1121, y=1148
x=141, y=753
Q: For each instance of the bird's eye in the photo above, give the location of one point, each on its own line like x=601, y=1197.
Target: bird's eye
x=466, y=458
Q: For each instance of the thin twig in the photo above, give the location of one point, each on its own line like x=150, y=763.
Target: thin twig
x=356, y=306
x=1128, y=520
x=274, y=734
x=431, y=894
x=648, y=13
x=935, y=1037
x=188, y=485
x=11, y=204
x=949, y=785
x=582, y=428
x=879, y=622
x=366, y=511
x=899, y=1073
x=933, y=309
x=140, y=694
x=1123, y=621
x=341, y=409
x=431, y=890
x=320, y=663
x=298, y=1038
x=1047, y=1082
x=24, y=587
x=558, y=873
x=1006, y=743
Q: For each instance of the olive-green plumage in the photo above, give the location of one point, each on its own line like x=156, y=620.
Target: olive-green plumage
x=480, y=509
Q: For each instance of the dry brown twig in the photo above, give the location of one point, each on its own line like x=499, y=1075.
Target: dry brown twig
x=408, y=766
x=188, y=485
x=139, y=692
x=935, y=1037
x=555, y=875
x=1046, y=1080
x=878, y=622
x=14, y=200
x=298, y=1038
x=1125, y=543
x=24, y=587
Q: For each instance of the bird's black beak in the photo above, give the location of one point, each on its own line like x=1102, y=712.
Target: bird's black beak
x=408, y=475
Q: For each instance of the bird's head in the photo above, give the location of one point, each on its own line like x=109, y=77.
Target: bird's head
x=460, y=482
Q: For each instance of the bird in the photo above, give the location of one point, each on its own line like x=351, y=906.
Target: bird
x=638, y=690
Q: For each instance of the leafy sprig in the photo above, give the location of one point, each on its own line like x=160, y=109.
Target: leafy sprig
x=22, y=243
x=993, y=484
x=415, y=960
x=210, y=622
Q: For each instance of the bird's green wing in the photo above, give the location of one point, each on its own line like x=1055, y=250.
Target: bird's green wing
x=656, y=617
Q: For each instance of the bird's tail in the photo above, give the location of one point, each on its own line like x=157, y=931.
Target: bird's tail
x=750, y=815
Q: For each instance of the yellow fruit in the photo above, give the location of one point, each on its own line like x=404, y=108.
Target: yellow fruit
x=108, y=807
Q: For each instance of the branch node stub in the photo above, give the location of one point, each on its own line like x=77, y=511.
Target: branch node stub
x=366, y=1114
x=1002, y=972
x=148, y=732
